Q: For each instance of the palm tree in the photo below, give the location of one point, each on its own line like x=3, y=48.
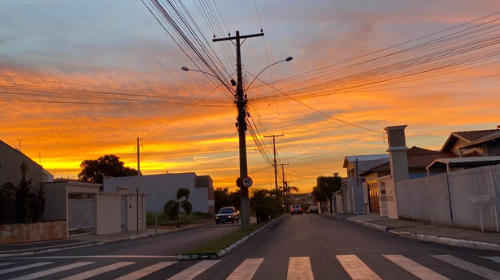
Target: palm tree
x=287, y=190
x=172, y=207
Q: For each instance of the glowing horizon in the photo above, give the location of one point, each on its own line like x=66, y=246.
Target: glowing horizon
x=81, y=86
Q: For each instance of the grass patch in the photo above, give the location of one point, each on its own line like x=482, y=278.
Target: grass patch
x=183, y=218
x=213, y=247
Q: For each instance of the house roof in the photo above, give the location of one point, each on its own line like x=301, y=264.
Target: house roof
x=418, y=158
x=464, y=162
x=486, y=138
x=348, y=159
x=467, y=136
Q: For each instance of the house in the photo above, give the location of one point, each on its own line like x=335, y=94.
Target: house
x=162, y=187
x=418, y=160
x=10, y=162
x=351, y=196
x=474, y=143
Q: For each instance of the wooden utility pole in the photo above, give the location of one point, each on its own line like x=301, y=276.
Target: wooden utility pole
x=241, y=104
x=275, y=165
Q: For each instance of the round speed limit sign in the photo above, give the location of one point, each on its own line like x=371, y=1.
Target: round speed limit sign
x=247, y=182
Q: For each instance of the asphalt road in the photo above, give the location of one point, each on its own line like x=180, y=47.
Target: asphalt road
x=295, y=247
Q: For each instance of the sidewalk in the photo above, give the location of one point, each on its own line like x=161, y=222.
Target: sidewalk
x=453, y=236
x=80, y=241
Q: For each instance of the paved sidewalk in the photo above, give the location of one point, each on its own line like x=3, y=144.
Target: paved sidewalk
x=453, y=236
x=79, y=241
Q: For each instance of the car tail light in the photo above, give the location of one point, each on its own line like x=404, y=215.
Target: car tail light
x=300, y=209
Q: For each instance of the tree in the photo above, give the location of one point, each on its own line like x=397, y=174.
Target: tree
x=23, y=196
x=328, y=186
x=264, y=204
x=7, y=195
x=319, y=197
x=288, y=190
x=221, y=198
x=172, y=207
x=107, y=165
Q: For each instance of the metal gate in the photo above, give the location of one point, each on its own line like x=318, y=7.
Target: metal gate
x=373, y=195
x=80, y=213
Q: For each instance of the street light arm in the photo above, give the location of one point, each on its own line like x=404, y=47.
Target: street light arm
x=184, y=68
x=255, y=78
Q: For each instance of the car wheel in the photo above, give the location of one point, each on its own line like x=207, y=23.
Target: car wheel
x=232, y=221
x=217, y=222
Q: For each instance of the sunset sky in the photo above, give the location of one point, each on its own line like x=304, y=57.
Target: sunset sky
x=81, y=79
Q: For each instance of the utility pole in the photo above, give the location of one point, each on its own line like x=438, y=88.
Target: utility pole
x=285, y=185
x=243, y=182
x=275, y=165
x=138, y=178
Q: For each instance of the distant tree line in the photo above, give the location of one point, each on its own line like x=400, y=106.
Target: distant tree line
x=21, y=203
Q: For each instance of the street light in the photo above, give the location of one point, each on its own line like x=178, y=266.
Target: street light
x=284, y=60
x=243, y=182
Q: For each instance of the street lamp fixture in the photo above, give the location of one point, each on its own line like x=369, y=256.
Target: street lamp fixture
x=284, y=60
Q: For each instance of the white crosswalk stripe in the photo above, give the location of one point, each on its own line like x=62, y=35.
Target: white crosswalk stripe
x=246, y=270
x=145, y=271
x=471, y=267
x=23, y=267
x=97, y=271
x=356, y=268
x=414, y=268
x=299, y=268
x=51, y=271
x=194, y=270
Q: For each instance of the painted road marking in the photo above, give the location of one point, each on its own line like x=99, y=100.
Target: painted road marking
x=356, y=268
x=495, y=259
x=246, y=270
x=23, y=267
x=471, y=267
x=97, y=271
x=100, y=257
x=299, y=268
x=414, y=268
x=51, y=271
x=1, y=264
x=145, y=271
x=194, y=270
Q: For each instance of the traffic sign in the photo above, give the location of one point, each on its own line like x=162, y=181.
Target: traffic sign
x=245, y=182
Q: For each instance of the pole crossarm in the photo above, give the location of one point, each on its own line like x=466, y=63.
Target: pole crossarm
x=238, y=37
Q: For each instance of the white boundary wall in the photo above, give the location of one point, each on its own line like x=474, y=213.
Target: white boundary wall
x=467, y=198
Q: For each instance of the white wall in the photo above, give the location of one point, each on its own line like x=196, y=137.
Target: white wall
x=108, y=214
x=163, y=187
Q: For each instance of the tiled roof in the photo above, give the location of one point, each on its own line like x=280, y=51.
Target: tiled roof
x=417, y=158
x=475, y=134
x=419, y=151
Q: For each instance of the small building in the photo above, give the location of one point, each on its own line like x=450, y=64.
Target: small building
x=87, y=209
x=474, y=143
x=162, y=187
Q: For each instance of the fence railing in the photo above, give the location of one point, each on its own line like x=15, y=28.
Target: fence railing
x=468, y=198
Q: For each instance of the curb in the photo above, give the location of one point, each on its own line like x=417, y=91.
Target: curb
x=435, y=239
x=228, y=249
